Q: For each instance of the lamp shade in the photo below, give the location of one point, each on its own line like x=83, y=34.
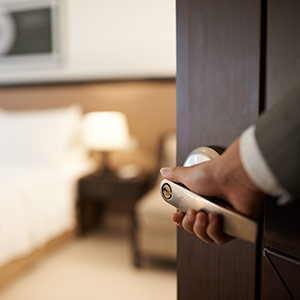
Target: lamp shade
x=105, y=131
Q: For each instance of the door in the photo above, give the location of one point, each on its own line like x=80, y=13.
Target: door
x=218, y=96
x=281, y=259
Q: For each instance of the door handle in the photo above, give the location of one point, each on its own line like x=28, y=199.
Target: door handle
x=234, y=223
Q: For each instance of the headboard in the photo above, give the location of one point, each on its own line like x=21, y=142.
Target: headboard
x=149, y=105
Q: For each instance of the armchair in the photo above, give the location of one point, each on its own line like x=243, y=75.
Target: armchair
x=154, y=234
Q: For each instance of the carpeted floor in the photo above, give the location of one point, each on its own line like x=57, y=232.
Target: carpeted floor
x=95, y=267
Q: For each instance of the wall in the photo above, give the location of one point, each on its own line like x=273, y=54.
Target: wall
x=108, y=39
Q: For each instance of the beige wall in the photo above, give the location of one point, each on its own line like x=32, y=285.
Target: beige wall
x=148, y=105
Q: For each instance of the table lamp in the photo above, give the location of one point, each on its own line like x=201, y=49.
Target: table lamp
x=104, y=132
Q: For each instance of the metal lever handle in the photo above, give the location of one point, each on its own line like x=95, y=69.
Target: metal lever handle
x=234, y=223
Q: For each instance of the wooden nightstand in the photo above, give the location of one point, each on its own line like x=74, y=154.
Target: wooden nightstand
x=100, y=192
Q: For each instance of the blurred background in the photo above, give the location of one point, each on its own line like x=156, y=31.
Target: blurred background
x=87, y=118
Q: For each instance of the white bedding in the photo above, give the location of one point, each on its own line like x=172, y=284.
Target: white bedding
x=37, y=203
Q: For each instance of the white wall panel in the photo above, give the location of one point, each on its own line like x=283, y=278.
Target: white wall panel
x=107, y=39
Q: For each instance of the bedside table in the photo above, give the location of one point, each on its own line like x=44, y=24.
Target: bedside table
x=100, y=192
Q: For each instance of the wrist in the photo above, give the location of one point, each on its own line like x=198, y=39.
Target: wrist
x=235, y=184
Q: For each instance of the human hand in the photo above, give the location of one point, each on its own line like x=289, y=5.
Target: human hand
x=223, y=177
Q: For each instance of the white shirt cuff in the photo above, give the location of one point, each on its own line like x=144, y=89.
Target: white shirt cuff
x=256, y=166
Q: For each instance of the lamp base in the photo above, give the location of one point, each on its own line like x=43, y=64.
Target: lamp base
x=102, y=158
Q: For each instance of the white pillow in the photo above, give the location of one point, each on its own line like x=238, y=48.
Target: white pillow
x=38, y=136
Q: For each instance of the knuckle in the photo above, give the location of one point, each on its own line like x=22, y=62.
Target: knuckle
x=212, y=230
x=202, y=218
x=200, y=228
x=187, y=225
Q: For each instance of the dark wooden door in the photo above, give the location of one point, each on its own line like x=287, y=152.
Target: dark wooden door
x=218, y=94
x=281, y=260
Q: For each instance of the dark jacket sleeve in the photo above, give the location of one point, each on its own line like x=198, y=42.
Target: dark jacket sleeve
x=278, y=137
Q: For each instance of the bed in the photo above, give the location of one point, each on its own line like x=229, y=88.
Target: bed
x=41, y=159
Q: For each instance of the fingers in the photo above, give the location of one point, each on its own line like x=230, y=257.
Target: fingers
x=189, y=220
x=178, y=217
x=200, y=227
x=214, y=229
x=208, y=228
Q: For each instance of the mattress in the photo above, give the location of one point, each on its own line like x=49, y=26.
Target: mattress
x=37, y=203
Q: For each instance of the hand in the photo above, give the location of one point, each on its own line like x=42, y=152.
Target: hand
x=223, y=177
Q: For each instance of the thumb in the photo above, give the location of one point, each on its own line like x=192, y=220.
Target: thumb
x=198, y=178
x=176, y=174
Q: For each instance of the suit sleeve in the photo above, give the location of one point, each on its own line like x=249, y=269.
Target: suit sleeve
x=277, y=134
